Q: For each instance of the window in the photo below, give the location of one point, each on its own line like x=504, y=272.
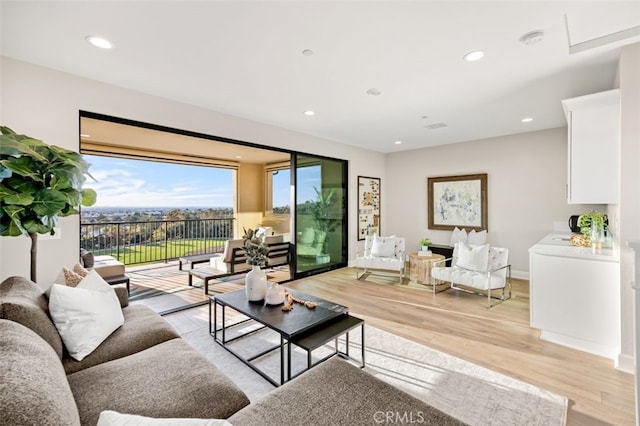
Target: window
x=278, y=190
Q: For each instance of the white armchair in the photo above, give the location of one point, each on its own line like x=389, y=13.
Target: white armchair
x=480, y=268
x=381, y=253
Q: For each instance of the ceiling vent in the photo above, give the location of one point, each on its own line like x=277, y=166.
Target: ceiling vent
x=435, y=126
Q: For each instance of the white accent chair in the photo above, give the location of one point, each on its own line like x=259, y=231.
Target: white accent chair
x=480, y=268
x=382, y=254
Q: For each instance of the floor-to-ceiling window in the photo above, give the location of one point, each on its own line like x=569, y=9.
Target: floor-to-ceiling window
x=270, y=184
x=320, y=214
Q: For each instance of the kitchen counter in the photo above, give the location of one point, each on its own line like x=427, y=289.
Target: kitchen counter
x=557, y=244
x=575, y=295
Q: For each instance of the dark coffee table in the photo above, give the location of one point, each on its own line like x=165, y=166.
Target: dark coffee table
x=307, y=328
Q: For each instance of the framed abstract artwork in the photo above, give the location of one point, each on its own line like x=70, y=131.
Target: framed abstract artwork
x=457, y=201
x=368, y=206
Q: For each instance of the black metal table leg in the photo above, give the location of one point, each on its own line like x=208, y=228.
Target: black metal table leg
x=282, y=360
x=362, y=328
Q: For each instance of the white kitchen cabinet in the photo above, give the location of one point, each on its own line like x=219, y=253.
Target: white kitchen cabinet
x=594, y=148
x=575, y=296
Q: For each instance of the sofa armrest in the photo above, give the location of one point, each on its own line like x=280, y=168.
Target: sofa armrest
x=122, y=293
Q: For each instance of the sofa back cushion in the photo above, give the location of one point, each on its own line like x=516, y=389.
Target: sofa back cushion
x=229, y=245
x=24, y=302
x=35, y=390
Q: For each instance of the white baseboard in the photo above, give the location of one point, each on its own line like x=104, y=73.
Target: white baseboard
x=522, y=275
x=626, y=363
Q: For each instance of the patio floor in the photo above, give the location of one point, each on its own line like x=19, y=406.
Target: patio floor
x=164, y=288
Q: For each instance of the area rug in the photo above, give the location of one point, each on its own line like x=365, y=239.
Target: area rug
x=471, y=393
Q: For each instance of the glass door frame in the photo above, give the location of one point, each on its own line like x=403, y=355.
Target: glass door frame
x=295, y=225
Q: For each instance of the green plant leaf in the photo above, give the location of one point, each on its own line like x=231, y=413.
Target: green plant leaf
x=21, y=184
x=48, y=202
x=14, y=212
x=73, y=197
x=4, y=173
x=89, y=197
x=20, y=199
x=23, y=166
x=11, y=230
x=6, y=191
x=34, y=226
x=10, y=145
x=38, y=183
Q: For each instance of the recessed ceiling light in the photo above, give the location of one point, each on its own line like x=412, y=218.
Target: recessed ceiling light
x=85, y=135
x=527, y=120
x=532, y=38
x=99, y=42
x=374, y=92
x=238, y=156
x=398, y=142
x=309, y=113
x=307, y=52
x=473, y=56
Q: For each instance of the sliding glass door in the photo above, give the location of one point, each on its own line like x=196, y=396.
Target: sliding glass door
x=320, y=214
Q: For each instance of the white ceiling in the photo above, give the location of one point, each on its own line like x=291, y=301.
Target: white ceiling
x=245, y=58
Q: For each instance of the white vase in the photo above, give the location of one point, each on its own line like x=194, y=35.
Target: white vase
x=255, y=284
x=275, y=294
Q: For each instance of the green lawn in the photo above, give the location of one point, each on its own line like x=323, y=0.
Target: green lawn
x=158, y=252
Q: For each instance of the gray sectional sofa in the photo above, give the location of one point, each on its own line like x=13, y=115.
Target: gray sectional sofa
x=145, y=368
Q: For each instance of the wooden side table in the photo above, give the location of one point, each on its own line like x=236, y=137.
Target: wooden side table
x=420, y=267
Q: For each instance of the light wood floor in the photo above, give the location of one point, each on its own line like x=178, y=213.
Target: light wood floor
x=460, y=324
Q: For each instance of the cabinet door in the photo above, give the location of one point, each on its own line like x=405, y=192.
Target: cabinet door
x=594, y=151
x=577, y=301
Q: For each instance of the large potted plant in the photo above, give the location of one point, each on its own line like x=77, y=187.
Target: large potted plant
x=325, y=216
x=38, y=183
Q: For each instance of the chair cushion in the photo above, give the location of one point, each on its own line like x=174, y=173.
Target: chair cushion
x=24, y=302
x=108, y=266
x=113, y=418
x=339, y=393
x=169, y=380
x=34, y=388
x=372, y=262
x=142, y=329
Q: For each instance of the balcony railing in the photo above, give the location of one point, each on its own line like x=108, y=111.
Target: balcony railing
x=156, y=241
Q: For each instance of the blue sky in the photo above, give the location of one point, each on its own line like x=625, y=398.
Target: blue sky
x=134, y=183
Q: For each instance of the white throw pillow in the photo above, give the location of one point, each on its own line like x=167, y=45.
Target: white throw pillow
x=383, y=247
x=113, y=418
x=85, y=315
x=474, y=258
x=458, y=236
x=477, y=238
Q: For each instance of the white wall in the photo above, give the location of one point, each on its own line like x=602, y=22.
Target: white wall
x=629, y=208
x=527, y=174
x=45, y=104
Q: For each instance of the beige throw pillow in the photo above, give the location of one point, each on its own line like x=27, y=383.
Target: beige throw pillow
x=71, y=278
